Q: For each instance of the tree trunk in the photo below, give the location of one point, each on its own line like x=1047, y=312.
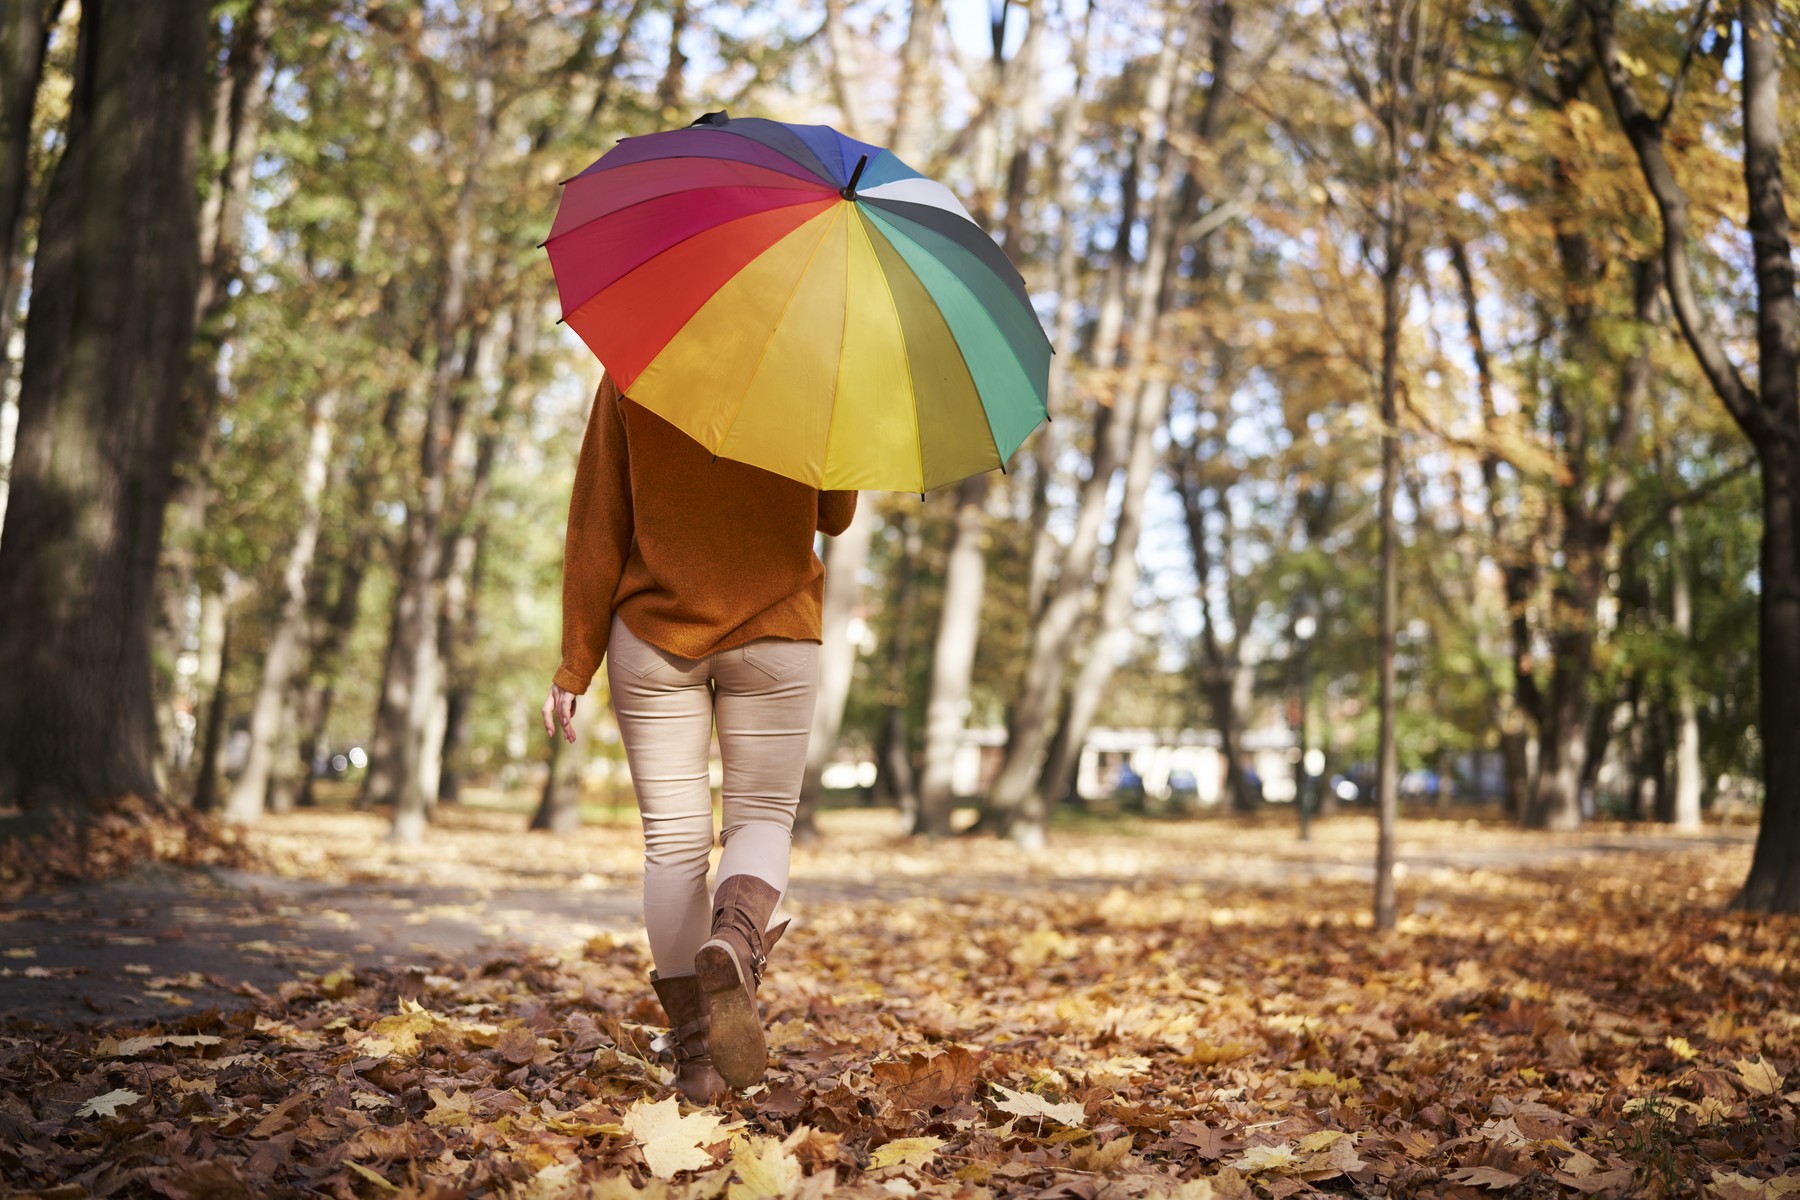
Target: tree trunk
x=238, y=102
x=844, y=561
x=1038, y=698
x=215, y=658
x=1768, y=415
x=462, y=585
x=270, y=735
x=24, y=39
x=1685, y=802
x=894, y=783
x=953, y=657
x=412, y=702
x=1393, y=264
x=112, y=318
x=559, y=808
x=1112, y=638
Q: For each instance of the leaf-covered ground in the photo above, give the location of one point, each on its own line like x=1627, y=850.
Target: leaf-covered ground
x=1176, y=1010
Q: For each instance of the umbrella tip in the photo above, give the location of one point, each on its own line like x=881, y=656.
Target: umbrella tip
x=848, y=191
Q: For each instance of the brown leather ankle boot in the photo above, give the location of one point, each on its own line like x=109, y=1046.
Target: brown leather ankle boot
x=729, y=966
x=686, y=1041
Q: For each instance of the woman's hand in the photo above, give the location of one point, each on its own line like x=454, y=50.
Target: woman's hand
x=559, y=709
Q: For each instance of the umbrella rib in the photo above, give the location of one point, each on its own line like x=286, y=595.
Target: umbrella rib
x=1024, y=373
x=812, y=196
x=905, y=357
x=773, y=329
x=962, y=356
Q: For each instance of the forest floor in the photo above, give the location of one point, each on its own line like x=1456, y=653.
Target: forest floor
x=1150, y=1008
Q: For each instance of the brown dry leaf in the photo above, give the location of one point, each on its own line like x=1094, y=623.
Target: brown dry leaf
x=517, y=1045
x=1488, y=1177
x=1102, y=1158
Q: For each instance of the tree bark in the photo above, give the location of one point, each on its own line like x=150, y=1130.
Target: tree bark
x=111, y=322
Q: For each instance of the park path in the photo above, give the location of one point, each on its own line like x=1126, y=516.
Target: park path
x=162, y=942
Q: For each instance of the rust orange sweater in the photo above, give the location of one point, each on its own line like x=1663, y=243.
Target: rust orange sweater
x=693, y=554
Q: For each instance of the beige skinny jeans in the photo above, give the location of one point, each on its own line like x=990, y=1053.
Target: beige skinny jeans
x=762, y=696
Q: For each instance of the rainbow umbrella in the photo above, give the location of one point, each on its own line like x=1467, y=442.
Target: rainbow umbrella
x=801, y=301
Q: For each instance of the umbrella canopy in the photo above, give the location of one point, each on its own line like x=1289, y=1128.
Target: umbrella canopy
x=801, y=301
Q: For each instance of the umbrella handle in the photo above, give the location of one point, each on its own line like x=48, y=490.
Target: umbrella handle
x=848, y=191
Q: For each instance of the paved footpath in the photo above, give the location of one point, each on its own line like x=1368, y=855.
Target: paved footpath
x=161, y=942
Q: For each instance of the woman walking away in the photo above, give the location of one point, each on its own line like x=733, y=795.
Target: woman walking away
x=695, y=580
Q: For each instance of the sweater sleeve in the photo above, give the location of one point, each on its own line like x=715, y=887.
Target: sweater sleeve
x=835, y=511
x=597, y=542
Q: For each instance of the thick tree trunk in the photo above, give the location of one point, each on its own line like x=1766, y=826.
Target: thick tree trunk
x=1768, y=415
x=953, y=657
x=1774, y=881
x=271, y=737
x=112, y=318
x=844, y=561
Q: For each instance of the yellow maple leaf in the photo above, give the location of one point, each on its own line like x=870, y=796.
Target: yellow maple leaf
x=670, y=1141
x=765, y=1169
x=1679, y=1047
x=1266, y=1158
x=1758, y=1075
x=1030, y=1104
x=449, y=1108
x=906, y=1152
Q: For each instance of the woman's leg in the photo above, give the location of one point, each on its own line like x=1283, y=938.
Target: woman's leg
x=764, y=706
x=766, y=694
x=664, y=709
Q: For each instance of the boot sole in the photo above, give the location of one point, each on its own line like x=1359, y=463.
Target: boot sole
x=734, y=1028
